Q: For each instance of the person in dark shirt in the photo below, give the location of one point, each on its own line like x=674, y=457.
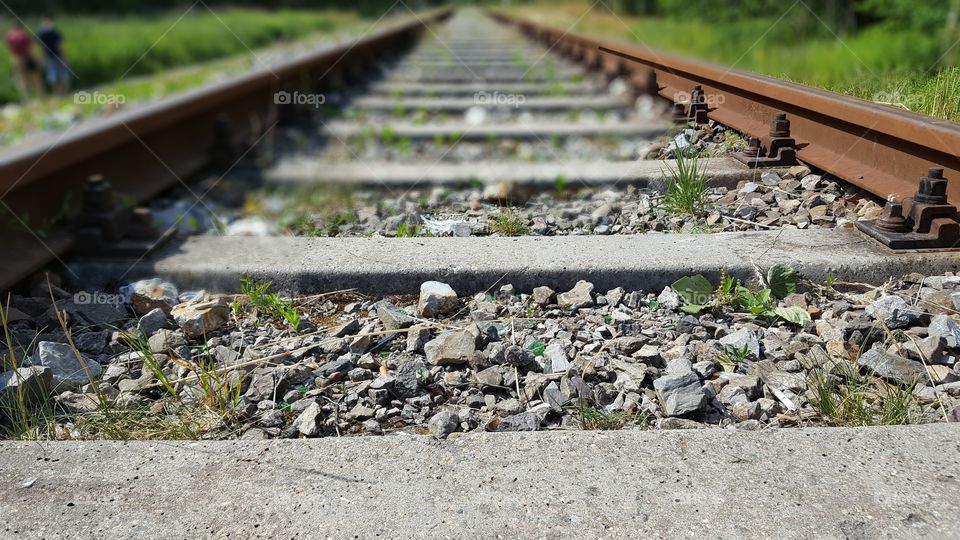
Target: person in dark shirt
x=58, y=74
x=25, y=66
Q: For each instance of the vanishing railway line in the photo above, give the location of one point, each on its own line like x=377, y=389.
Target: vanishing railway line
x=523, y=180
x=144, y=152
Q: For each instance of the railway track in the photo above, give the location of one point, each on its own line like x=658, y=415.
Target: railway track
x=472, y=235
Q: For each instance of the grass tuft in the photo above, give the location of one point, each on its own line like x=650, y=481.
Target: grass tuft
x=508, y=224
x=686, y=191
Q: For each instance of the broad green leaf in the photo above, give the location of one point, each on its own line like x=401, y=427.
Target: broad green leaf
x=795, y=315
x=693, y=289
x=782, y=280
x=692, y=309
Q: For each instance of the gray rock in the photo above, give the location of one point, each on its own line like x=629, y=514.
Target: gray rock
x=153, y=321
x=579, y=296
x=360, y=412
x=680, y=394
x=893, y=311
x=346, y=329
x=443, y=424
x=417, y=338
x=451, y=347
x=436, y=298
x=946, y=327
x=743, y=337
x=489, y=377
x=525, y=421
x=892, y=367
x=554, y=397
x=542, y=296
x=306, y=423
x=555, y=358
x=266, y=383
x=341, y=364
x=67, y=370
x=149, y=294
x=166, y=340
x=92, y=342
x=407, y=383
x=392, y=317
x=33, y=383
x=75, y=403
x=668, y=299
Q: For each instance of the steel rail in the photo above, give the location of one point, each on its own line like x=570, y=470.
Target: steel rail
x=881, y=149
x=145, y=151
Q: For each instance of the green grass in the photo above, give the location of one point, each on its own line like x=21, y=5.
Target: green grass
x=853, y=399
x=686, y=191
x=102, y=49
x=270, y=304
x=885, y=63
x=594, y=418
x=508, y=224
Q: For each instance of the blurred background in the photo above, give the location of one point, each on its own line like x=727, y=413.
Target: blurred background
x=900, y=52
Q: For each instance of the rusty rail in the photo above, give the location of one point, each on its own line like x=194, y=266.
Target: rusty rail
x=878, y=148
x=147, y=150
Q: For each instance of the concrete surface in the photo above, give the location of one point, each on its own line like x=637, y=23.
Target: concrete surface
x=539, y=130
x=644, y=174
x=892, y=482
x=399, y=265
x=492, y=100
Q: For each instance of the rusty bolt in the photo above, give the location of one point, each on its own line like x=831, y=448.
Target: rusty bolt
x=892, y=218
x=753, y=148
x=142, y=216
x=679, y=113
x=697, y=95
x=780, y=127
x=97, y=194
x=933, y=188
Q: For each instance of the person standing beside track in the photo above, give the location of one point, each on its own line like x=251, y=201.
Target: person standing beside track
x=26, y=69
x=58, y=74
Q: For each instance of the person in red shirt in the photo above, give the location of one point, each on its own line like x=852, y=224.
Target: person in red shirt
x=25, y=66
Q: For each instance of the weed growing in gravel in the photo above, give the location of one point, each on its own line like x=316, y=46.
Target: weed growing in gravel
x=594, y=418
x=732, y=357
x=27, y=414
x=269, y=303
x=561, y=183
x=406, y=231
x=853, y=399
x=686, y=186
x=508, y=224
x=137, y=342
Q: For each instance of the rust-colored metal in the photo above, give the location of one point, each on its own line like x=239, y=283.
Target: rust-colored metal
x=777, y=149
x=876, y=147
x=146, y=151
x=924, y=221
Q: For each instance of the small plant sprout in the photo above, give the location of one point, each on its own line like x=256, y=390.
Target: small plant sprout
x=732, y=357
x=687, y=186
x=268, y=303
x=561, y=183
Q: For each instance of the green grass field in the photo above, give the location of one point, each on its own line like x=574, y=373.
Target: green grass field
x=102, y=50
x=882, y=63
